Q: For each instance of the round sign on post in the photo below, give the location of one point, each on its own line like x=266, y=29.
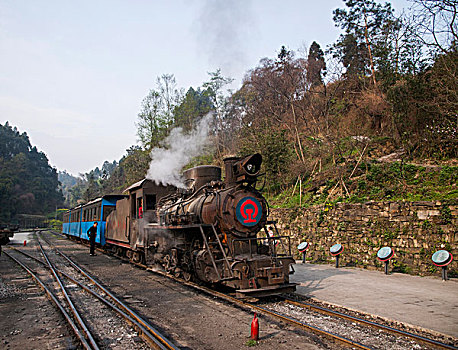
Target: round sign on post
x=385, y=254
x=442, y=258
x=302, y=247
x=336, y=250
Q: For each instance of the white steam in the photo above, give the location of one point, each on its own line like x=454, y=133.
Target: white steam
x=178, y=149
x=224, y=30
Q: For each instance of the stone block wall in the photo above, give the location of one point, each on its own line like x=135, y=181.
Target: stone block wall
x=414, y=230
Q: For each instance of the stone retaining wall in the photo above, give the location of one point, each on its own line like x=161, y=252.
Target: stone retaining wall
x=414, y=230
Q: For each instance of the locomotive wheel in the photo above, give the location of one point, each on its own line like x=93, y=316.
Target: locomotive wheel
x=119, y=251
x=137, y=257
x=167, y=264
x=187, y=276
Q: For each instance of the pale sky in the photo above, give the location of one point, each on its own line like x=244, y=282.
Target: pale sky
x=73, y=73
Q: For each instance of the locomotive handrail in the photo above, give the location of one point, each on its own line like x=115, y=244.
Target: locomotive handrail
x=273, y=251
x=209, y=252
x=222, y=250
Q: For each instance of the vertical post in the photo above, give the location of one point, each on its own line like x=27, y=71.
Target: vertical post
x=300, y=191
x=444, y=273
x=337, y=261
x=386, y=267
x=303, y=256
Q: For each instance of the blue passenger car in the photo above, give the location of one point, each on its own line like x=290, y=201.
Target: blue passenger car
x=84, y=216
x=66, y=222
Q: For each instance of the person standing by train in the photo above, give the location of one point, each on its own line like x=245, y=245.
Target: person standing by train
x=92, y=233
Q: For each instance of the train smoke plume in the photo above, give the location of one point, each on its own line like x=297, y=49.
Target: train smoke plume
x=178, y=149
x=224, y=29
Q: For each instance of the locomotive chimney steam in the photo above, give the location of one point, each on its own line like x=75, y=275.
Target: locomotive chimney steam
x=178, y=149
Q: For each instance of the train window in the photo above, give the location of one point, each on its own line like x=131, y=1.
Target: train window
x=150, y=201
x=107, y=210
x=133, y=206
x=139, y=207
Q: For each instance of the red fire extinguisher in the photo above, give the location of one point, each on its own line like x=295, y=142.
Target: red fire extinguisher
x=255, y=328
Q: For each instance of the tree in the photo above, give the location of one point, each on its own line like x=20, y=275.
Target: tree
x=170, y=95
x=366, y=24
x=316, y=65
x=436, y=24
x=28, y=184
x=156, y=114
x=196, y=104
x=152, y=125
x=221, y=105
x=274, y=95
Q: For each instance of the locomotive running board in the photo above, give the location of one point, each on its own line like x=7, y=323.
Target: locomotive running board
x=266, y=291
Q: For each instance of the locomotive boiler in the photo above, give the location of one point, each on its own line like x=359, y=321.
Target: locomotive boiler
x=215, y=224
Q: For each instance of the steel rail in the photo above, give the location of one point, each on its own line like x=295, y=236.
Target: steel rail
x=273, y=314
x=149, y=338
x=54, y=299
x=338, y=314
x=156, y=334
x=261, y=310
x=70, y=304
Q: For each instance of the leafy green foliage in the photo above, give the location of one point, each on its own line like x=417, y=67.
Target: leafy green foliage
x=28, y=184
x=194, y=106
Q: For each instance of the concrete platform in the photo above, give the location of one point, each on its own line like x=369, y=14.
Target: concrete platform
x=427, y=302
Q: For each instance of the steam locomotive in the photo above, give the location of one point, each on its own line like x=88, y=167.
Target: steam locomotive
x=212, y=230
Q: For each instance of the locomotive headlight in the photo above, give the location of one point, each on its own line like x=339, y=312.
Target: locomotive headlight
x=252, y=164
x=250, y=168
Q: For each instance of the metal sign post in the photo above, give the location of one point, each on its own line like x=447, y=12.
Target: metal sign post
x=442, y=258
x=303, y=249
x=385, y=254
x=336, y=250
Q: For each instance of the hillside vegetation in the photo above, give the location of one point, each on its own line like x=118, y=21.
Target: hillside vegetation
x=28, y=184
x=372, y=117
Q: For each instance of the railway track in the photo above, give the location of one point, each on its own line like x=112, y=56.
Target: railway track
x=360, y=337
x=362, y=321
x=76, y=319
x=348, y=335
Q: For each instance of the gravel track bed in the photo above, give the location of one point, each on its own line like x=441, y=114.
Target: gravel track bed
x=371, y=337
x=29, y=320
x=109, y=329
x=188, y=318
x=446, y=339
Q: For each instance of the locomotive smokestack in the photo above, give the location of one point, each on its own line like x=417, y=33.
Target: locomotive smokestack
x=242, y=169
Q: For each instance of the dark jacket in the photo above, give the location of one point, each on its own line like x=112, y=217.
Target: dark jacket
x=92, y=232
